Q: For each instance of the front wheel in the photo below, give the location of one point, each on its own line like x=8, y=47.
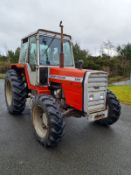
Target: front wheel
x=47, y=121
x=114, y=110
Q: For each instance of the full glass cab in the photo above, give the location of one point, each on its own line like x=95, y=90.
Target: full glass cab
x=41, y=51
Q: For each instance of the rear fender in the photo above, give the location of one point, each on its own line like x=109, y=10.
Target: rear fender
x=24, y=70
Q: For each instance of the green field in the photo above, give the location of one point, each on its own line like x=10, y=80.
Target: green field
x=2, y=76
x=123, y=93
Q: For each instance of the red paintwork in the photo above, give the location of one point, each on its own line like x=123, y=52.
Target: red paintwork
x=19, y=66
x=73, y=91
x=38, y=89
x=68, y=71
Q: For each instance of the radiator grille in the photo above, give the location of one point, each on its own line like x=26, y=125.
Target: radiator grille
x=96, y=87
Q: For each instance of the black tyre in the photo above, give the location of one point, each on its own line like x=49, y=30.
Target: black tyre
x=114, y=110
x=15, y=92
x=47, y=120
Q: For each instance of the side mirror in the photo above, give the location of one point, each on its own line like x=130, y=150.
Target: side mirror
x=79, y=64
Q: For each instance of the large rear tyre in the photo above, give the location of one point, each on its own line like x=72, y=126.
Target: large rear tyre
x=15, y=92
x=47, y=120
x=114, y=110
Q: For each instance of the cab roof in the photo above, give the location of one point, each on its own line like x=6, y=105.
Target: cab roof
x=44, y=31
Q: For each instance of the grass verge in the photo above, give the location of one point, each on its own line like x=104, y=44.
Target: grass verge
x=2, y=76
x=123, y=93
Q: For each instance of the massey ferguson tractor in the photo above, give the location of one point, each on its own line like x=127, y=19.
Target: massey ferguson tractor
x=47, y=75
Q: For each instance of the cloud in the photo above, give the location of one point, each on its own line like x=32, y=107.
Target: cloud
x=89, y=22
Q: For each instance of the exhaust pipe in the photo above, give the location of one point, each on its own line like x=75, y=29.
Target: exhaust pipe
x=62, y=52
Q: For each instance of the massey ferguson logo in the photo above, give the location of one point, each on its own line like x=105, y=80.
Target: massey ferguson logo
x=96, y=87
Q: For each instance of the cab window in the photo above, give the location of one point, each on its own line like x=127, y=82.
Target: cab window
x=23, y=51
x=50, y=51
x=33, y=51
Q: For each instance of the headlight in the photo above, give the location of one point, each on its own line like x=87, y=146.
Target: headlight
x=102, y=96
x=91, y=97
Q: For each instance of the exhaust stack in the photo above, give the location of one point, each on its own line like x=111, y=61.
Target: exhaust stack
x=62, y=52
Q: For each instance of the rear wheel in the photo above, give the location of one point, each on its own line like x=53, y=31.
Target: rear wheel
x=114, y=110
x=47, y=121
x=15, y=92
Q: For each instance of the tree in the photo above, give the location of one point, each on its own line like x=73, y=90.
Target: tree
x=80, y=54
x=14, y=56
x=125, y=51
x=17, y=53
x=108, y=49
x=125, y=55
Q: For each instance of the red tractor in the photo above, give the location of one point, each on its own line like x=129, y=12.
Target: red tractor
x=46, y=74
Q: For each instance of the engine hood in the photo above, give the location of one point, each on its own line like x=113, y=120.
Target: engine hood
x=69, y=72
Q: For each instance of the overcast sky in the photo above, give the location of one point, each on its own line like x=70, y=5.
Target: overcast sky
x=90, y=22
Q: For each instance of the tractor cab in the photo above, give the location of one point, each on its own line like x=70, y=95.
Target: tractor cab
x=41, y=50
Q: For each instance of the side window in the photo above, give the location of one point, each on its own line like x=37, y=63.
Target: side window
x=33, y=51
x=23, y=51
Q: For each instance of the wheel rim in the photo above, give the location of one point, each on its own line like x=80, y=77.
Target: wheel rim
x=8, y=92
x=40, y=121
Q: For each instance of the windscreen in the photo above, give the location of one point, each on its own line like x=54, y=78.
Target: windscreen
x=50, y=51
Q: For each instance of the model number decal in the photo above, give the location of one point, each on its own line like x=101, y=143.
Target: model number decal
x=69, y=78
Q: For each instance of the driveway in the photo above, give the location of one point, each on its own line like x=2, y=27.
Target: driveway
x=126, y=82
x=85, y=149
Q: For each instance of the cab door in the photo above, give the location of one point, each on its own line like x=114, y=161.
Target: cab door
x=33, y=61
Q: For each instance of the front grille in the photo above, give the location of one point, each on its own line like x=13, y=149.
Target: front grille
x=96, y=89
